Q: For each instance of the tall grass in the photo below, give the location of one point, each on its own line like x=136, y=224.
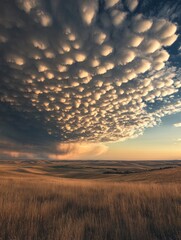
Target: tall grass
x=65, y=210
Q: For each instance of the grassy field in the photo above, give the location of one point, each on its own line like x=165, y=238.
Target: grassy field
x=37, y=206
x=111, y=171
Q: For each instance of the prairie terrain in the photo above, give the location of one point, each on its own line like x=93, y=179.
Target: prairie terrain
x=90, y=200
x=113, y=171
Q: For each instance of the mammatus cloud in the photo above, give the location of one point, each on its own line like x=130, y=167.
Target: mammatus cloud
x=86, y=71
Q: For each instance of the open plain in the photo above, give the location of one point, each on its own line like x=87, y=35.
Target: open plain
x=96, y=200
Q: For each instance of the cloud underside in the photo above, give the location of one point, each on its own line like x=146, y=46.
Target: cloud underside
x=84, y=71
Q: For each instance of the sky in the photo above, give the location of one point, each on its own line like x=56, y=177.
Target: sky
x=90, y=79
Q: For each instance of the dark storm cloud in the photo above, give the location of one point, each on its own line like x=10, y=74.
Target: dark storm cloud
x=84, y=71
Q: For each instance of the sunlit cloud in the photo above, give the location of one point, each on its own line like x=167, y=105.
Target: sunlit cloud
x=79, y=151
x=177, y=124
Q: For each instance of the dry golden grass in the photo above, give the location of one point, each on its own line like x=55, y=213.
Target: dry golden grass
x=117, y=171
x=88, y=210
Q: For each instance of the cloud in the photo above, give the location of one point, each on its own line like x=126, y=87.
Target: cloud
x=141, y=25
x=118, y=17
x=83, y=72
x=79, y=151
x=111, y=3
x=132, y=4
x=177, y=125
x=89, y=9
